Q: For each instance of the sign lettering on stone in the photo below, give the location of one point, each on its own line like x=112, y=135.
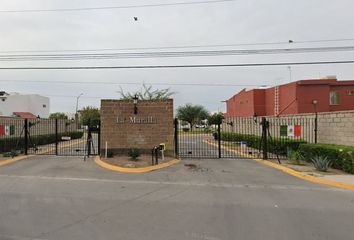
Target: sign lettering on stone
x=137, y=120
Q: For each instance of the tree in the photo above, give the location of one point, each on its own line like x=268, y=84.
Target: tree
x=90, y=116
x=58, y=115
x=147, y=93
x=192, y=114
x=216, y=119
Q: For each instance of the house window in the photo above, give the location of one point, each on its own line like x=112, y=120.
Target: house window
x=44, y=106
x=350, y=92
x=334, y=98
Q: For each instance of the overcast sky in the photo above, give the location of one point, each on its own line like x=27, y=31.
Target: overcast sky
x=242, y=21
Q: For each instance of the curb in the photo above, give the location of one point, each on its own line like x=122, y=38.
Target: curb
x=15, y=159
x=291, y=171
x=134, y=170
x=305, y=176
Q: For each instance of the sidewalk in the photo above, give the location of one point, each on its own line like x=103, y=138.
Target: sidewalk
x=333, y=177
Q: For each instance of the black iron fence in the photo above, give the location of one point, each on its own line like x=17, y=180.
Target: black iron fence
x=267, y=138
x=47, y=137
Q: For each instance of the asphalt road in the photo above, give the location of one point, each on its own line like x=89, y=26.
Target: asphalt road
x=65, y=198
x=194, y=146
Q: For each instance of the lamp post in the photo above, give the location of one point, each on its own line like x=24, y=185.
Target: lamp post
x=135, y=101
x=290, y=73
x=76, y=111
x=314, y=103
x=77, y=101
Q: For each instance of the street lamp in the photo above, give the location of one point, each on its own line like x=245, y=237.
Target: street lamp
x=314, y=103
x=77, y=101
x=76, y=111
x=135, y=101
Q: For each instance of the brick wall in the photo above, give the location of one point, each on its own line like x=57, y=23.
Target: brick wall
x=120, y=133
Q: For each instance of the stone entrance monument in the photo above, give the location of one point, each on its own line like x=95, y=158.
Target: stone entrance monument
x=142, y=124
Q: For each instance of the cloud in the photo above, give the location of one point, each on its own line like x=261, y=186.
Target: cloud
x=236, y=22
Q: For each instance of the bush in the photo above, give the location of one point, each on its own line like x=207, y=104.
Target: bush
x=134, y=153
x=279, y=146
x=348, y=161
x=321, y=163
x=185, y=129
x=16, y=143
x=341, y=156
x=295, y=157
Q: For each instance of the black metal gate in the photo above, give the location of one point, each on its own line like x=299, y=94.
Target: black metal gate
x=59, y=137
x=245, y=137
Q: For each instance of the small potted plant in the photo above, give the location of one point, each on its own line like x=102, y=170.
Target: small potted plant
x=134, y=153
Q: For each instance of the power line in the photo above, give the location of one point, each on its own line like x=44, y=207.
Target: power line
x=182, y=46
x=180, y=66
x=107, y=56
x=115, y=7
x=138, y=83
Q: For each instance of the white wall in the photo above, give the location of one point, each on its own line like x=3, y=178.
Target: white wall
x=35, y=104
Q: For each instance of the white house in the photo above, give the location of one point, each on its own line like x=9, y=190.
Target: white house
x=11, y=103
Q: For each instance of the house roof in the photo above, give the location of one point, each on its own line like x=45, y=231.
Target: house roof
x=25, y=115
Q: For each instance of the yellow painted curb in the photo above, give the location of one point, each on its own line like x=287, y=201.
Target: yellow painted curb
x=291, y=171
x=307, y=177
x=15, y=159
x=134, y=170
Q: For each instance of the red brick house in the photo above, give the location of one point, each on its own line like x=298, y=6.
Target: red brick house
x=304, y=96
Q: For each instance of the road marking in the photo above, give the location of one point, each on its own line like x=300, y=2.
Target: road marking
x=192, y=184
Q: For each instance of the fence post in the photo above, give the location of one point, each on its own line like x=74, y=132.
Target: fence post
x=219, y=141
x=99, y=139
x=264, y=138
x=176, y=137
x=56, y=137
x=89, y=138
x=26, y=136
x=316, y=126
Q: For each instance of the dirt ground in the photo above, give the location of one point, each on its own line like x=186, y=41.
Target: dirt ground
x=142, y=161
x=308, y=168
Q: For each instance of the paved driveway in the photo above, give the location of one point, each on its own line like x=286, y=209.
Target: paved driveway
x=66, y=198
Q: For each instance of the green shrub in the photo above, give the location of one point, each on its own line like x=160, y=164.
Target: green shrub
x=341, y=156
x=348, y=161
x=185, y=129
x=295, y=157
x=321, y=163
x=134, y=153
x=279, y=146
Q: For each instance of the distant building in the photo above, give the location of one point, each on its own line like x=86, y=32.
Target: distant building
x=23, y=105
x=304, y=96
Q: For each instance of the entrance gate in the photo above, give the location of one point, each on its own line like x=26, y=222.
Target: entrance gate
x=245, y=137
x=59, y=137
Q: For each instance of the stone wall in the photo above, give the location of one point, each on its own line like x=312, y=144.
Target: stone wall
x=333, y=127
x=122, y=129
x=336, y=128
